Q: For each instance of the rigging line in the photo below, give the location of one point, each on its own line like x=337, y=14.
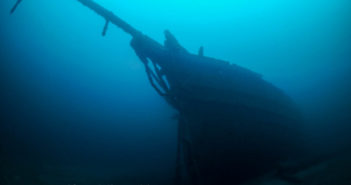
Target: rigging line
x=15, y=6
x=159, y=75
x=150, y=77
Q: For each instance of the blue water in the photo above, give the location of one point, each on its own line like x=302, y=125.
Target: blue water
x=72, y=97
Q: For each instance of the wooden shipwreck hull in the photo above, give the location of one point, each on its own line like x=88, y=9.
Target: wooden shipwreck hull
x=233, y=124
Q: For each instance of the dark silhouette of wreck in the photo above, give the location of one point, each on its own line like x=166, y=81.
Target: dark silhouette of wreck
x=233, y=125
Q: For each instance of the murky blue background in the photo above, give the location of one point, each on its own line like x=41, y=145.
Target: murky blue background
x=70, y=96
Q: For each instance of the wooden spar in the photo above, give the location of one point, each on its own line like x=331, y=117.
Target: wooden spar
x=110, y=17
